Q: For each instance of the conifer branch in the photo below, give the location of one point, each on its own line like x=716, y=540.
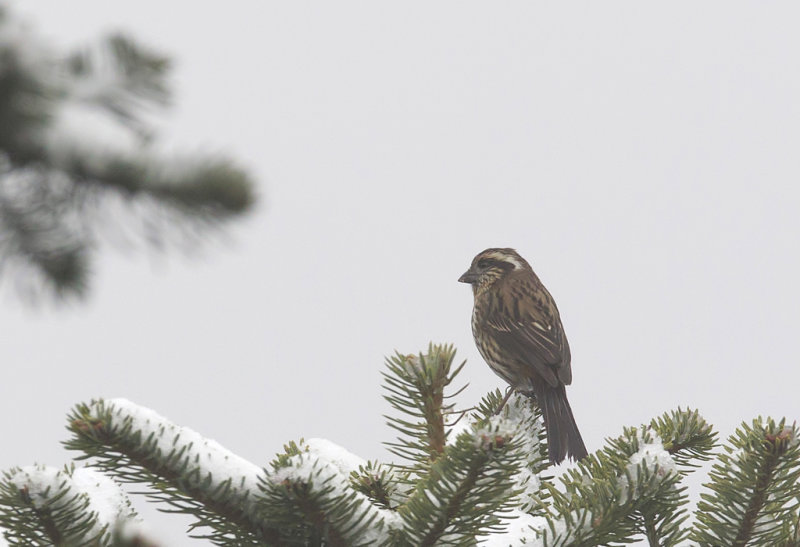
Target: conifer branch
x=526, y=416
x=379, y=484
x=78, y=164
x=754, y=488
x=650, y=531
x=487, y=482
x=416, y=388
x=688, y=438
x=468, y=489
x=794, y=534
x=630, y=487
x=47, y=506
x=194, y=476
x=309, y=497
x=121, y=77
x=36, y=226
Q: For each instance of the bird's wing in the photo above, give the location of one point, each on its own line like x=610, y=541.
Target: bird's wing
x=534, y=339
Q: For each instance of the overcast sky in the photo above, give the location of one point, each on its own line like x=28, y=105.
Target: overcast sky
x=644, y=160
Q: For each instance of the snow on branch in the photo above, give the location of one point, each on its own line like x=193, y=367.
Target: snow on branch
x=631, y=487
x=488, y=480
x=313, y=484
x=193, y=474
x=71, y=506
x=522, y=418
x=475, y=477
x=687, y=437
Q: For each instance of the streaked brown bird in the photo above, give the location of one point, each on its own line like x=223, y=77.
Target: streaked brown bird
x=518, y=331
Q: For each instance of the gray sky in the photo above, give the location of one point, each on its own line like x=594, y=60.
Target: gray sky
x=644, y=159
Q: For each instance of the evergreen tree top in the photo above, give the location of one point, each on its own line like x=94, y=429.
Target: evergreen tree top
x=464, y=477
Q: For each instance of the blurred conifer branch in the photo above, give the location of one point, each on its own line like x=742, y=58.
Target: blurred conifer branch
x=78, y=160
x=489, y=480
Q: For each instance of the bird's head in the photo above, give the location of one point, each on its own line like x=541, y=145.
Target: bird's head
x=492, y=265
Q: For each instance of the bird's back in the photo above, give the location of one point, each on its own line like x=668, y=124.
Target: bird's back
x=519, y=332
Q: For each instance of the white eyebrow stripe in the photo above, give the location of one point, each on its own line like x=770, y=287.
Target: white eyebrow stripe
x=506, y=258
x=515, y=262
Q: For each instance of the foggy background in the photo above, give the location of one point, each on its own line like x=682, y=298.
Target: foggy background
x=643, y=158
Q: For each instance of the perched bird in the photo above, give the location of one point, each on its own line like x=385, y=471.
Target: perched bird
x=518, y=332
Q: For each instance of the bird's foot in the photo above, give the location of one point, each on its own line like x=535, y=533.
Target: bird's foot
x=461, y=414
x=509, y=391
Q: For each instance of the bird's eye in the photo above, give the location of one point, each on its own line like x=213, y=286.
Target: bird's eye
x=483, y=264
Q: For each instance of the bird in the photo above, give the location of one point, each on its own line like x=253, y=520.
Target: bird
x=518, y=331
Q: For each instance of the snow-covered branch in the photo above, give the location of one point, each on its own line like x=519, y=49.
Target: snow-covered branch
x=310, y=493
x=630, y=488
x=194, y=474
x=488, y=483
x=65, y=506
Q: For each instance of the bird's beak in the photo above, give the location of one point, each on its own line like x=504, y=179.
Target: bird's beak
x=468, y=277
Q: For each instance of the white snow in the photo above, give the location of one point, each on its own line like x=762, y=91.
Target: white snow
x=530, y=484
x=655, y=458
x=560, y=535
x=76, y=127
x=650, y=454
x=106, y=498
x=497, y=426
x=212, y=459
x=81, y=130
x=321, y=463
x=517, y=421
x=79, y=127
x=39, y=481
x=653, y=455
x=522, y=530
x=324, y=463
x=527, y=529
x=345, y=461
x=530, y=429
x=107, y=501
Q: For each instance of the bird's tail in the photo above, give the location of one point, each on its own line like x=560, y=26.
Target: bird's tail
x=563, y=438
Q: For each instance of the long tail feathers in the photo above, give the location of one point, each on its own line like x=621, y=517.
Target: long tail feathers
x=563, y=438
